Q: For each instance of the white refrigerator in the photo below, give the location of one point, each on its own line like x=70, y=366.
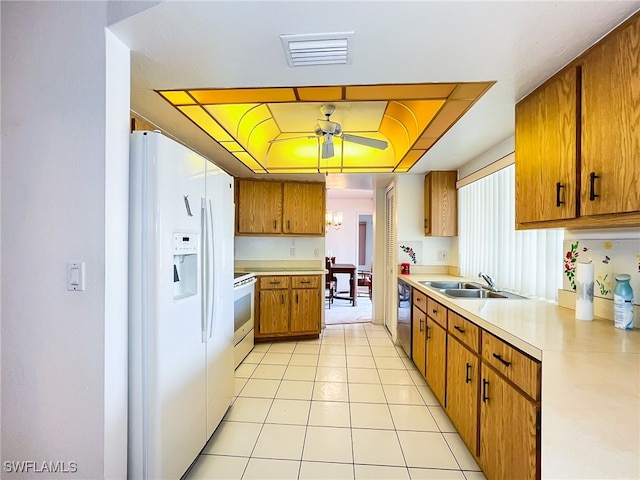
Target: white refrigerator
x=180, y=304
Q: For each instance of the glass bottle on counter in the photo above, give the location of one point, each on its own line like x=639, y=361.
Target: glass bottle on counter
x=623, y=303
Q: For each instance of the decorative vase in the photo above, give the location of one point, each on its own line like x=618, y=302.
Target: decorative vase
x=584, y=291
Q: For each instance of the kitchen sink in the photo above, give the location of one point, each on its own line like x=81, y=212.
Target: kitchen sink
x=481, y=293
x=452, y=285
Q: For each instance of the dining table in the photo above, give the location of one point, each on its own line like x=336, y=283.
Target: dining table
x=349, y=269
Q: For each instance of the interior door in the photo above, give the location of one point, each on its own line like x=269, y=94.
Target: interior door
x=390, y=297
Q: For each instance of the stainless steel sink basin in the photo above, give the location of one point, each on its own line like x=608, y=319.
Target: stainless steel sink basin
x=482, y=293
x=452, y=285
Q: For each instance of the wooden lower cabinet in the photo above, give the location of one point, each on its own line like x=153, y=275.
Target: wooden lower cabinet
x=463, y=372
x=305, y=311
x=436, y=359
x=288, y=306
x=274, y=312
x=418, y=339
x=508, y=430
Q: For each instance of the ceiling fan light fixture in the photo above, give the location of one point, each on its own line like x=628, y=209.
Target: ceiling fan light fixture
x=327, y=146
x=317, y=48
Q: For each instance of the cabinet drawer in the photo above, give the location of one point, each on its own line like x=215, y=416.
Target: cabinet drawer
x=276, y=282
x=305, y=281
x=516, y=366
x=464, y=330
x=420, y=300
x=437, y=312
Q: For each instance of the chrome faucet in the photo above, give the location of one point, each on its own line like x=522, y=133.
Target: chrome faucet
x=490, y=282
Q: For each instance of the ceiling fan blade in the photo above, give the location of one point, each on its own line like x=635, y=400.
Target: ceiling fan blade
x=291, y=138
x=369, y=142
x=327, y=147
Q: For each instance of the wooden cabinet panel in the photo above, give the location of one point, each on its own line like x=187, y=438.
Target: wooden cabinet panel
x=462, y=392
x=420, y=300
x=546, y=153
x=305, y=310
x=274, y=282
x=418, y=338
x=464, y=330
x=306, y=281
x=304, y=206
x=437, y=312
x=258, y=206
x=516, y=366
x=274, y=312
x=436, y=359
x=441, y=204
x=508, y=430
x=611, y=124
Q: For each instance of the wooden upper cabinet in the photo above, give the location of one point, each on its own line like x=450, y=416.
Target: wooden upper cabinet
x=279, y=208
x=610, y=124
x=304, y=206
x=578, y=140
x=546, y=152
x=259, y=207
x=440, y=204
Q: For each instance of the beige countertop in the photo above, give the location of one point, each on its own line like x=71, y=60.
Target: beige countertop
x=590, y=381
x=281, y=267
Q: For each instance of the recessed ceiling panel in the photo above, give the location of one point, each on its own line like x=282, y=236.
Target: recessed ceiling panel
x=386, y=128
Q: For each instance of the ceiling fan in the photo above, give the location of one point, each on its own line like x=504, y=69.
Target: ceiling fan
x=327, y=130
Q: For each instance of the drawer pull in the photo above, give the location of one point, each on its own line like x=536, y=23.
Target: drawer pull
x=592, y=186
x=485, y=390
x=461, y=330
x=434, y=311
x=499, y=358
x=274, y=283
x=305, y=281
x=467, y=378
x=558, y=201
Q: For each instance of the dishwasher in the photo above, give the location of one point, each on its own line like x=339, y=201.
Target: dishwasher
x=404, y=316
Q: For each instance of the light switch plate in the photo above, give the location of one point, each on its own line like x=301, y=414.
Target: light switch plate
x=75, y=276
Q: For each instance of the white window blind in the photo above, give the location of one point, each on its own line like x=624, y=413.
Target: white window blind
x=526, y=261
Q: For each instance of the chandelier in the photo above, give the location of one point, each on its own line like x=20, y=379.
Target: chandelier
x=331, y=220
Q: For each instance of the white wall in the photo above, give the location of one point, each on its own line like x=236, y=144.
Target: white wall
x=279, y=248
x=62, y=161
x=410, y=198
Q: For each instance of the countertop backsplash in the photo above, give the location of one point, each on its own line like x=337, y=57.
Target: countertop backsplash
x=609, y=258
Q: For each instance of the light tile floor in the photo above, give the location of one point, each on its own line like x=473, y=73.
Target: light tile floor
x=349, y=405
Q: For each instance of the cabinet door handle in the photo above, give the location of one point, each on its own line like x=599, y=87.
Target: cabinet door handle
x=592, y=186
x=461, y=330
x=500, y=359
x=425, y=223
x=558, y=201
x=296, y=298
x=428, y=329
x=288, y=225
x=421, y=325
x=485, y=390
x=467, y=378
x=282, y=299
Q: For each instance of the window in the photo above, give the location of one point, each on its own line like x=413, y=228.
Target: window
x=526, y=261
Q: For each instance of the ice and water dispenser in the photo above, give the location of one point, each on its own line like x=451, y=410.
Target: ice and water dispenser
x=185, y=265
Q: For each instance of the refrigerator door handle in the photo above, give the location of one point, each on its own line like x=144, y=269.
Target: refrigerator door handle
x=203, y=270
x=211, y=273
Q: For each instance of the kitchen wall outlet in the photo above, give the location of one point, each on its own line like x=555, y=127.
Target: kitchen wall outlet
x=442, y=256
x=292, y=252
x=316, y=252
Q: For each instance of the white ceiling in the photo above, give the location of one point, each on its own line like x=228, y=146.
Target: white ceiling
x=226, y=44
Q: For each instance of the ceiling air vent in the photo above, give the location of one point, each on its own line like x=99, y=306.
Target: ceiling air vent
x=317, y=48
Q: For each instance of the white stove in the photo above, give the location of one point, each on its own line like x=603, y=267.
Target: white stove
x=243, y=305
